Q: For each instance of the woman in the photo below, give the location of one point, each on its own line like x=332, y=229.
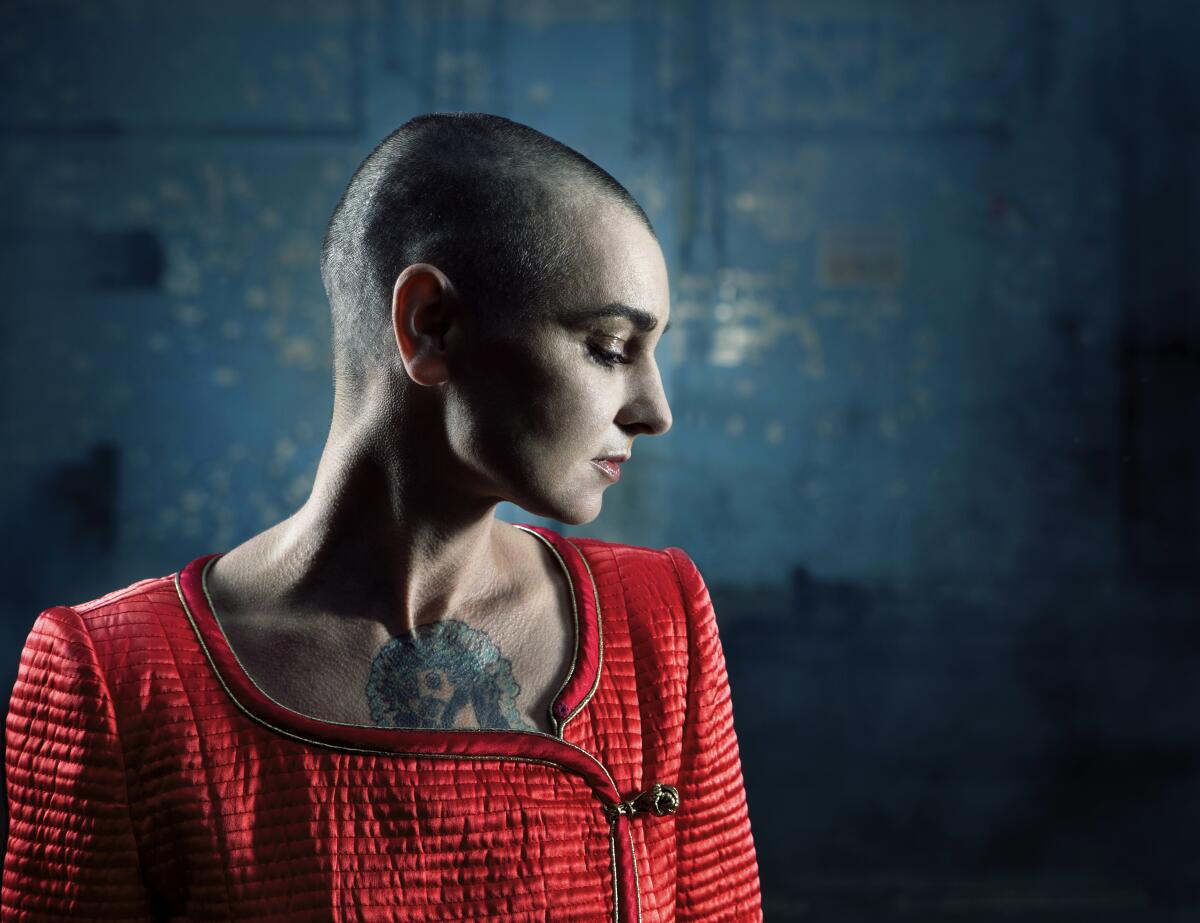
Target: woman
x=393, y=705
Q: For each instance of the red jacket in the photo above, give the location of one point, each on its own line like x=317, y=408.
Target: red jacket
x=149, y=778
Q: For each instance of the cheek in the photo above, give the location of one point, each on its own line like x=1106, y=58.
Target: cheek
x=542, y=395
x=569, y=415
x=509, y=406
x=525, y=413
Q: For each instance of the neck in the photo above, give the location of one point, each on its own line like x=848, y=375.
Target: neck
x=382, y=536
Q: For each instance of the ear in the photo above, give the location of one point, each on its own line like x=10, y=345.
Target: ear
x=424, y=306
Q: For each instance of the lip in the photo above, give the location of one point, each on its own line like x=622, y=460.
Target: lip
x=611, y=467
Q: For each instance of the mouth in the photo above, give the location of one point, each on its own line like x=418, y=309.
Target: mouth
x=611, y=467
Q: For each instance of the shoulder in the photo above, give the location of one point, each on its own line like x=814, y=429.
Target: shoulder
x=126, y=652
x=107, y=628
x=592, y=547
x=115, y=599
x=660, y=601
x=669, y=570
x=648, y=561
x=138, y=606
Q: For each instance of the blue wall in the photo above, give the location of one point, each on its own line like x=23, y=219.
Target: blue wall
x=934, y=365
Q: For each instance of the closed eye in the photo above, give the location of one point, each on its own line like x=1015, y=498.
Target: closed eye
x=606, y=357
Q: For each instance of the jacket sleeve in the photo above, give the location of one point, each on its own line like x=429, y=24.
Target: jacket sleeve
x=717, y=869
x=71, y=853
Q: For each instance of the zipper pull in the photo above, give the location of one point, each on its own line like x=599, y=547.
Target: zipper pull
x=659, y=800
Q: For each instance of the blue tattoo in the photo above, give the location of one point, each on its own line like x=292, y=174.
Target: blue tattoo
x=429, y=677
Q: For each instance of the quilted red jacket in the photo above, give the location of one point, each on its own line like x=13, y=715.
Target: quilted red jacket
x=150, y=779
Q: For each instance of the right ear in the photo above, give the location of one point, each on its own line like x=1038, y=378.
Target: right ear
x=424, y=308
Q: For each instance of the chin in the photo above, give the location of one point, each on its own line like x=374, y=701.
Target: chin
x=570, y=511
x=579, y=519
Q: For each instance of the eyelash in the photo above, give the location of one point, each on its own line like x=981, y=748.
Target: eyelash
x=606, y=358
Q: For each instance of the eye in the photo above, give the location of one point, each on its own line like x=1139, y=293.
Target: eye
x=606, y=357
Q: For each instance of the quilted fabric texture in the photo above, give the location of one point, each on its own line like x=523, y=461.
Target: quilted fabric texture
x=150, y=779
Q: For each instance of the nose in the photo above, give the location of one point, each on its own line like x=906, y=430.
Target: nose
x=647, y=410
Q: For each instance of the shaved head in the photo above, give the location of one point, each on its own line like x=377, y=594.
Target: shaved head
x=495, y=205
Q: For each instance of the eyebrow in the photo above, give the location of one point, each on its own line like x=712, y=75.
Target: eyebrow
x=643, y=320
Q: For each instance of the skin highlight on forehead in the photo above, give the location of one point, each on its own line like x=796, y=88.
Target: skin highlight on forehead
x=619, y=269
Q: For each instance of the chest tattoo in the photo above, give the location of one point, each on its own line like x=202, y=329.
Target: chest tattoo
x=443, y=675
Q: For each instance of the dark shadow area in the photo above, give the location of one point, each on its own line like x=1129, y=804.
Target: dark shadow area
x=1028, y=749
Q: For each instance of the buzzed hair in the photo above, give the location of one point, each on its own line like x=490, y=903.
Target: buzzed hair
x=478, y=196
